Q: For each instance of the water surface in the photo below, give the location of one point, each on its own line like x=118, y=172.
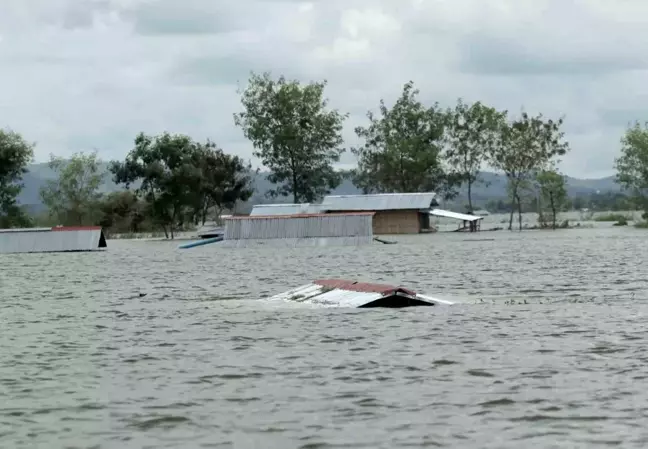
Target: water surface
x=145, y=345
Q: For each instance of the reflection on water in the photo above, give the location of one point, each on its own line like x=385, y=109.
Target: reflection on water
x=148, y=346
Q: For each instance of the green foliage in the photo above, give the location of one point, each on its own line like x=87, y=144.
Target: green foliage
x=632, y=165
x=611, y=217
x=73, y=198
x=181, y=179
x=402, y=149
x=553, y=196
x=623, y=221
x=473, y=134
x=123, y=212
x=15, y=154
x=294, y=134
x=225, y=180
x=527, y=145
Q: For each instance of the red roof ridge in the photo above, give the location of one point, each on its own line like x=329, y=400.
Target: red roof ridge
x=356, y=286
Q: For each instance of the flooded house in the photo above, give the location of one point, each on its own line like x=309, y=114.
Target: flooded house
x=394, y=213
x=52, y=240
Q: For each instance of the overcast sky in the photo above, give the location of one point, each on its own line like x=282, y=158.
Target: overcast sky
x=81, y=74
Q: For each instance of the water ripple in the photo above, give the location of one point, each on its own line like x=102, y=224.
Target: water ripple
x=148, y=346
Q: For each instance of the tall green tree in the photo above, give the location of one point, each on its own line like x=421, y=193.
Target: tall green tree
x=552, y=192
x=167, y=173
x=180, y=178
x=473, y=132
x=402, y=148
x=122, y=212
x=294, y=133
x=632, y=165
x=73, y=197
x=225, y=180
x=526, y=146
x=15, y=155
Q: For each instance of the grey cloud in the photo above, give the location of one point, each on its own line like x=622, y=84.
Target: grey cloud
x=94, y=74
x=162, y=17
x=505, y=56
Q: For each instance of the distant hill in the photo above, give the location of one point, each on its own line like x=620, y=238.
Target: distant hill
x=494, y=187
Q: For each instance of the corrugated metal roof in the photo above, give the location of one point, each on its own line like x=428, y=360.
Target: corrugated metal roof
x=342, y=293
x=57, y=239
x=455, y=215
x=285, y=209
x=383, y=201
x=283, y=217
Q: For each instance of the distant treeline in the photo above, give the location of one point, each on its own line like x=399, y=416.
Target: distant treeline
x=173, y=182
x=605, y=201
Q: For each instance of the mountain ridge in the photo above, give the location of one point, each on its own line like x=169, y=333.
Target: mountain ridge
x=493, y=186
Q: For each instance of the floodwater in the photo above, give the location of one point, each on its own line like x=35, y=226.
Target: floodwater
x=145, y=345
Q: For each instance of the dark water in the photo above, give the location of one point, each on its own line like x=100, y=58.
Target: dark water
x=198, y=361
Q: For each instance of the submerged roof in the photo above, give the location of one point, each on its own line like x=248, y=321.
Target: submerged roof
x=285, y=209
x=57, y=239
x=344, y=293
x=381, y=201
x=455, y=215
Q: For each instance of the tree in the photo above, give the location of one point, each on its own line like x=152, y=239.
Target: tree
x=525, y=146
x=294, y=134
x=167, y=174
x=402, y=149
x=632, y=165
x=552, y=195
x=122, y=212
x=180, y=178
x=73, y=197
x=15, y=154
x=225, y=180
x=473, y=132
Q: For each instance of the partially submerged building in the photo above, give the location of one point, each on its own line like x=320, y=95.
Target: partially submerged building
x=299, y=230
x=393, y=213
x=51, y=240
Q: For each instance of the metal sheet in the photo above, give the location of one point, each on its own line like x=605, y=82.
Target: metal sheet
x=299, y=242
x=383, y=201
x=320, y=295
x=50, y=240
x=299, y=227
x=454, y=215
x=285, y=209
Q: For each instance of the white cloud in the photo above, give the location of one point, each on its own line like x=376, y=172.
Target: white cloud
x=90, y=74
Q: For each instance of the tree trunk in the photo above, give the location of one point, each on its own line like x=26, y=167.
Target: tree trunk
x=513, y=196
x=470, y=207
x=553, y=210
x=295, y=196
x=519, y=203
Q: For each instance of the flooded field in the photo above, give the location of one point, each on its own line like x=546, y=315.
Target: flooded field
x=145, y=345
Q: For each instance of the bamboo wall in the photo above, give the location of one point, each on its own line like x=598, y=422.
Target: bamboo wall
x=396, y=222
